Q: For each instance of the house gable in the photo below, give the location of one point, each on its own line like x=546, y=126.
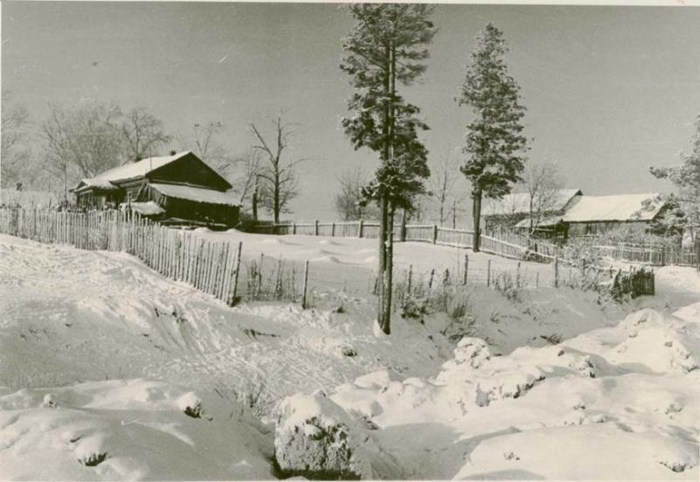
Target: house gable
x=189, y=169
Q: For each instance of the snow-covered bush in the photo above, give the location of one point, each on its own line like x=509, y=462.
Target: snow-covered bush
x=314, y=438
x=190, y=404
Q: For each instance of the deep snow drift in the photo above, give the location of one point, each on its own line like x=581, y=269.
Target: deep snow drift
x=615, y=403
x=614, y=400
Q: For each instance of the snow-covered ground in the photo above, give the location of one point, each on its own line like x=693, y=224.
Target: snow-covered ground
x=126, y=347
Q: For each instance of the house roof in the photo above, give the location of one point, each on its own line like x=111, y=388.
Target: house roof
x=622, y=207
x=132, y=170
x=93, y=183
x=519, y=203
x=138, y=169
x=545, y=222
x=197, y=194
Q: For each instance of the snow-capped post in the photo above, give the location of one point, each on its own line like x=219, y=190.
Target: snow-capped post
x=435, y=233
x=306, y=283
x=556, y=271
x=333, y=230
x=466, y=269
x=488, y=273
x=316, y=227
x=360, y=228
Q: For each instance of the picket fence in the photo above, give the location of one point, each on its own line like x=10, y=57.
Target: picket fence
x=211, y=267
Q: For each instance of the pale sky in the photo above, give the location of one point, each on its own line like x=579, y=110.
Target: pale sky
x=609, y=90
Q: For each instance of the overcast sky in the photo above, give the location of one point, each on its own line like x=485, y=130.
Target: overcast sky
x=609, y=90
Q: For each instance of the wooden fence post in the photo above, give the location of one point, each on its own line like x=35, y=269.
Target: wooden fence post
x=360, y=228
x=306, y=283
x=488, y=274
x=232, y=301
x=316, y=228
x=466, y=268
x=294, y=228
x=435, y=233
x=556, y=271
x=333, y=230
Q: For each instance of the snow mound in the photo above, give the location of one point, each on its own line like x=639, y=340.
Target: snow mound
x=316, y=438
x=127, y=429
x=585, y=450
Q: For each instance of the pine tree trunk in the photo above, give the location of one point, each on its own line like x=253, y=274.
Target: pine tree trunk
x=388, y=273
x=477, y=220
x=381, y=275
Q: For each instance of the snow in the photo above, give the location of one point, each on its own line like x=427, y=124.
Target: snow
x=144, y=373
x=573, y=411
x=519, y=203
x=138, y=169
x=149, y=208
x=197, y=194
x=126, y=430
x=621, y=207
x=96, y=183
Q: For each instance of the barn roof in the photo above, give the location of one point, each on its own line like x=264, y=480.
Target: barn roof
x=519, y=203
x=622, y=207
x=197, y=194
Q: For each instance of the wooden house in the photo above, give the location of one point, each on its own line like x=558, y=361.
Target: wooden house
x=594, y=215
x=176, y=189
x=514, y=210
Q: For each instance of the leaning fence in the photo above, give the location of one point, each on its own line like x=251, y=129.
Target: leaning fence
x=212, y=267
x=217, y=265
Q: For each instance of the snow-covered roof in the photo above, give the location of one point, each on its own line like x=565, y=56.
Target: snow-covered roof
x=198, y=194
x=621, y=207
x=94, y=183
x=137, y=169
x=519, y=203
x=149, y=208
x=544, y=222
x=132, y=170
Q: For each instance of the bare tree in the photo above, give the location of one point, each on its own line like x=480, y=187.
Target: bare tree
x=443, y=198
x=247, y=167
x=88, y=137
x=143, y=134
x=543, y=182
x=205, y=142
x=13, y=156
x=350, y=204
x=279, y=184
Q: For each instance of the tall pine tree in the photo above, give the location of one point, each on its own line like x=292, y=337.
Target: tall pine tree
x=494, y=143
x=384, y=51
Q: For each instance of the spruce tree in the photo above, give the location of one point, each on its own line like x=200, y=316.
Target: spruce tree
x=384, y=51
x=495, y=145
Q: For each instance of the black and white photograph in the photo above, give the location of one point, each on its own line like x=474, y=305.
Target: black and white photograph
x=349, y=241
